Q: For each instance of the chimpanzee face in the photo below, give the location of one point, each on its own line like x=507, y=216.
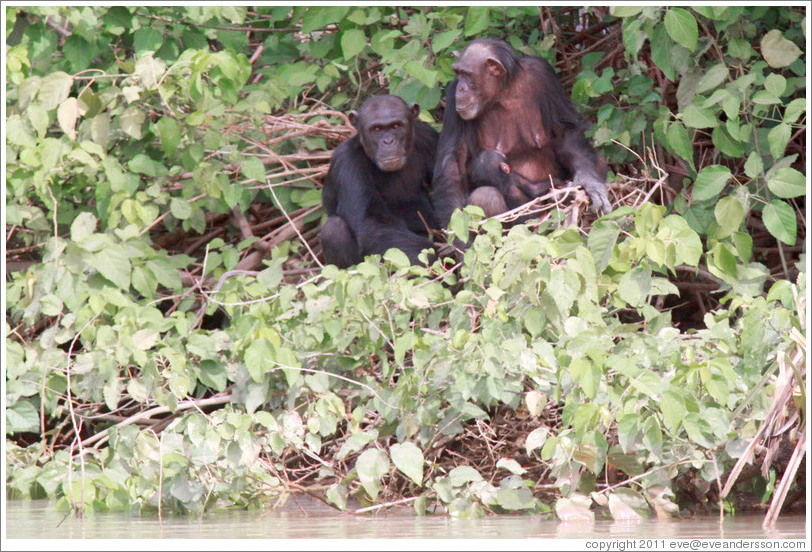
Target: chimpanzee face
x=479, y=80
x=386, y=129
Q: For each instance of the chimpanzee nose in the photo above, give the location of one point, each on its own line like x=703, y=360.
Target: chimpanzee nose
x=388, y=140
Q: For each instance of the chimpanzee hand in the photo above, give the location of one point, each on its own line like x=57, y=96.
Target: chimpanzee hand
x=596, y=189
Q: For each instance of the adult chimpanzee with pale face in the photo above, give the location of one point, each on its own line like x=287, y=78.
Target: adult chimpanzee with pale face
x=375, y=193
x=509, y=132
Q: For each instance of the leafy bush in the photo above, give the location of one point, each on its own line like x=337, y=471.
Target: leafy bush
x=172, y=343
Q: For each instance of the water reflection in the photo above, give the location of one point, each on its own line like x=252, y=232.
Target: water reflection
x=302, y=517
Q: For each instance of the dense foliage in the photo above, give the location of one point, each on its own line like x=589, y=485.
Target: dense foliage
x=174, y=344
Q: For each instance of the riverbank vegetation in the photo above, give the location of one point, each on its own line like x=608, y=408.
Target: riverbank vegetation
x=174, y=344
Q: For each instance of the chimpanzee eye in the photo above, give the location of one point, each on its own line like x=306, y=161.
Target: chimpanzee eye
x=396, y=126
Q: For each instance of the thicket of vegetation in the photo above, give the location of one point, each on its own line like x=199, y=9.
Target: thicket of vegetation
x=174, y=344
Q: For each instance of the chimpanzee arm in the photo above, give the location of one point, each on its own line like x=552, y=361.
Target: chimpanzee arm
x=572, y=149
x=578, y=157
x=450, y=182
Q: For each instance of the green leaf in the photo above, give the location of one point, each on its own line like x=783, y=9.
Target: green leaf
x=149, y=70
x=762, y=97
x=82, y=226
x=662, y=49
x=146, y=165
x=353, y=42
x=673, y=409
x=653, y=435
x=416, y=69
x=680, y=142
x=356, y=442
x=779, y=218
x=169, y=132
x=67, y=114
x=710, y=181
x=461, y=475
x=316, y=18
x=625, y=11
x=38, y=118
x=79, y=52
x=787, y=182
x=601, y=242
x=535, y=321
x=628, y=428
x=777, y=50
x=794, y=109
x=634, y=286
x=409, y=460
x=131, y=122
x=718, y=388
x=697, y=117
x=775, y=84
x=54, y=89
x=165, y=272
x=726, y=144
x=145, y=339
x=51, y=305
x=682, y=27
x=778, y=138
x=648, y=384
x=371, y=466
x=259, y=359
x=514, y=497
x=271, y=276
x=444, y=40
x=397, y=258
x=574, y=508
x=723, y=259
x=627, y=505
x=22, y=417
x=147, y=39
x=17, y=133
x=729, y=213
x=477, y=20
x=699, y=431
x=253, y=168
x=458, y=225
x=712, y=78
x=535, y=439
x=754, y=166
x=740, y=48
x=510, y=465
x=743, y=243
x=180, y=208
x=535, y=401
x=113, y=263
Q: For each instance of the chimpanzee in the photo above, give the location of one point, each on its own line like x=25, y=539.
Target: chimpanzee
x=374, y=192
x=513, y=106
x=491, y=169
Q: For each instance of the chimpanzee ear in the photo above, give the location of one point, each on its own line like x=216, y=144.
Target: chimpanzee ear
x=495, y=67
x=415, y=110
x=353, y=117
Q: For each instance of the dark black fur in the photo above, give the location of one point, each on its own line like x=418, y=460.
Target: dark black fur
x=370, y=210
x=488, y=169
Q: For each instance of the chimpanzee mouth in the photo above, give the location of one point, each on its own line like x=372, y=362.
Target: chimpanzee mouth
x=390, y=164
x=467, y=112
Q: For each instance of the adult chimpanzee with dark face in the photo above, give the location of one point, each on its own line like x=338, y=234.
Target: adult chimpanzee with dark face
x=509, y=131
x=374, y=192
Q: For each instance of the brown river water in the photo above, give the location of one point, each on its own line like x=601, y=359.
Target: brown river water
x=305, y=518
